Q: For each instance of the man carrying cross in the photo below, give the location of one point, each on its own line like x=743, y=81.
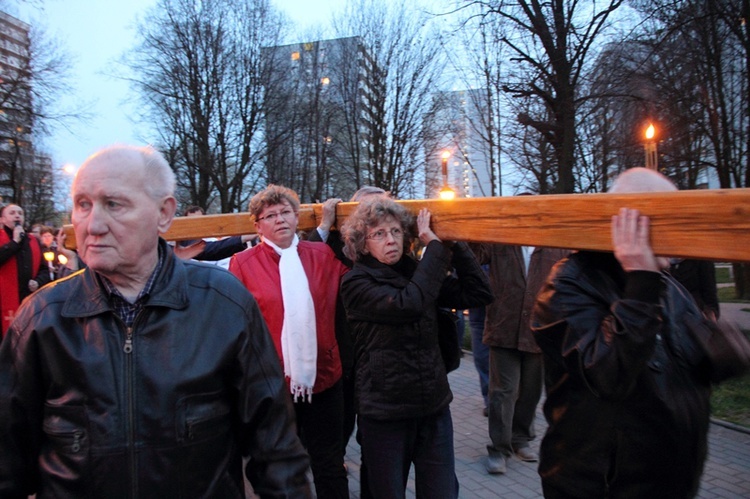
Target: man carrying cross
x=629, y=362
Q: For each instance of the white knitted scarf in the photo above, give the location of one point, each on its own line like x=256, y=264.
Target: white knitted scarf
x=299, y=339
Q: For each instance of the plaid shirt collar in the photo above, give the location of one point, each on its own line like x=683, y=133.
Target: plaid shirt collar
x=123, y=308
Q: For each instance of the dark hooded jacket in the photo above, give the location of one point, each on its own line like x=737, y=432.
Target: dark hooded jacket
x=82, y=416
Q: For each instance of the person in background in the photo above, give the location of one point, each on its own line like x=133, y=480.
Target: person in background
x=402, y=391
x=210, y=249
x=68, y=261
x=480, y=353
x=142, y=375
x=23, y=269
x=296, y=284
x=36, y=230
x=629, y=361
x=699, y=278
x=49, y=250
x=516, y=373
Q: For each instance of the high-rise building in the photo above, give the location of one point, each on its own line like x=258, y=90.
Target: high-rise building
x=457, y=126
x=20, y=167
x=317, y=100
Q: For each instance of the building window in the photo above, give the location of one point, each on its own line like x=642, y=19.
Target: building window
x=325, y=80
x=295, y=56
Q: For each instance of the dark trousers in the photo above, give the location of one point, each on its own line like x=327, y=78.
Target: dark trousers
x=480, y=351
x=515, y=389
x=390, y=447
x=320, y=428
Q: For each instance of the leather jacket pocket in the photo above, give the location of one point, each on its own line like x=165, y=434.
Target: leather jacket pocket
x=65, y=429
x=202, y=416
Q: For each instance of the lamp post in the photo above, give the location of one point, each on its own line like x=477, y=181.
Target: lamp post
x=446, y=192
x=649, y=147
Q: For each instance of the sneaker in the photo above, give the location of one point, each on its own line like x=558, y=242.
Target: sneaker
x=527, y=455
x=495, y=464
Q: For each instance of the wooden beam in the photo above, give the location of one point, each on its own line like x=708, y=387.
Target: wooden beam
x=709, y=224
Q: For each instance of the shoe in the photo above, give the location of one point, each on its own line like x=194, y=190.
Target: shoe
x=485, y=412
x=495, y=464
x=527, y=455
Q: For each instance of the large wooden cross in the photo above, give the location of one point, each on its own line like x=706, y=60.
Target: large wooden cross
x=708, y=224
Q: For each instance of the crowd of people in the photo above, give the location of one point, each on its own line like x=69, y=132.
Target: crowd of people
x=146, y=372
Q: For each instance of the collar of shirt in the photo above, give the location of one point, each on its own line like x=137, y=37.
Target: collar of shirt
x=123, y=308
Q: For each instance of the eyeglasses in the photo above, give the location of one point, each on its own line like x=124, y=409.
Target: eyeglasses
x=396, y=232
x=271, y=217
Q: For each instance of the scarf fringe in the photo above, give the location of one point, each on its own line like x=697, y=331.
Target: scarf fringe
x=304, y=393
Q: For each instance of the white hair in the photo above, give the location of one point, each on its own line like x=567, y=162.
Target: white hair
x=160, y=177
x=641, y=179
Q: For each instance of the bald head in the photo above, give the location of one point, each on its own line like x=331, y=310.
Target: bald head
x=145, y=163
x=639, y=179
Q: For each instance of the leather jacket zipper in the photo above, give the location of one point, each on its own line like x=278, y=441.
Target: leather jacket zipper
x=128, y=347
x=130, y=382
x=76, y=447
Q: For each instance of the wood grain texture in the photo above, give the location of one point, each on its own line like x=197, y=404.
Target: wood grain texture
x=709, y=224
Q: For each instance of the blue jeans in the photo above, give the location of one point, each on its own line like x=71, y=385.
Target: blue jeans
x=390, y=447
x=479, y=350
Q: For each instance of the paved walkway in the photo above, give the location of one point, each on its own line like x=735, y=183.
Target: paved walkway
x=726, y=475
x=739, y=313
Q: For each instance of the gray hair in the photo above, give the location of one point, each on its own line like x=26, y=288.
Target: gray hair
x=367, y=191
x=371, y=213
x=164, y=179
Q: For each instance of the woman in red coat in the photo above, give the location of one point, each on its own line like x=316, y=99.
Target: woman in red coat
x=296, y=286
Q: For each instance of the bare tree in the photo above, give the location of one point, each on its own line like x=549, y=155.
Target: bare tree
x=200, y=74
x=31, y=81
x=551, y=42
x=315, y=84
x=703, y=47
x=403, y=66
x=479, y=64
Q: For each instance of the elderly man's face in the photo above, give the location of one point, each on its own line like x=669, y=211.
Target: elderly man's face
x=116, y=222
x=12, y=214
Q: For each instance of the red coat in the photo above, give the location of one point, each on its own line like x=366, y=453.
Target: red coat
x=10, y=295
x=258, y=269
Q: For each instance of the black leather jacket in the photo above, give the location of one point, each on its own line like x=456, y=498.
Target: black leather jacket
x=399, y=372
x=202, y=387
x=627, y=378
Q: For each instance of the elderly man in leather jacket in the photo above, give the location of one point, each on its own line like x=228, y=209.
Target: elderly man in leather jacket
x=142, y=375
x=629, y=360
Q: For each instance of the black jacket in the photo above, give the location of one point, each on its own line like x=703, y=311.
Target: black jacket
x=202, y=387
x=628, y=367
x=392, y=312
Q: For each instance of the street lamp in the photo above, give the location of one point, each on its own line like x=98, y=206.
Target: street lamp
x=446, y=192
x=649, y=146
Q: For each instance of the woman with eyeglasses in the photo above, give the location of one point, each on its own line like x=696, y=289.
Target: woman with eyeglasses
x=296, y=285
x=401, y=384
